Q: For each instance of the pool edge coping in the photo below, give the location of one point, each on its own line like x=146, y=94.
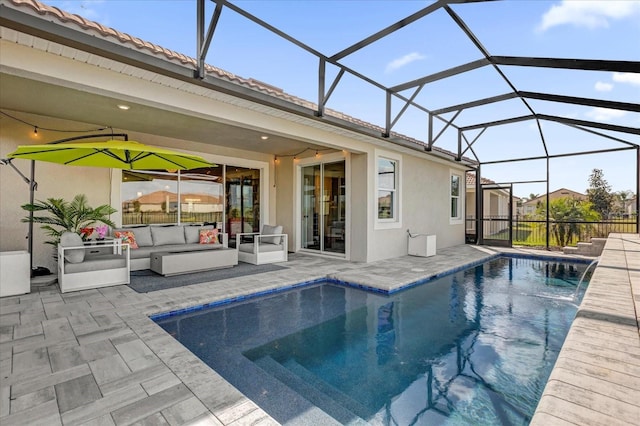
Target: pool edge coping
x=372, y=289
x=601, y=348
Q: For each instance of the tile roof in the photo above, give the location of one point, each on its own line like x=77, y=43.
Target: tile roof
x=74, y=20
x=471, y=180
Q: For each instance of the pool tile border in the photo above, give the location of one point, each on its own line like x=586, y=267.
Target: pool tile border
x=333, y=280
x=235, y=299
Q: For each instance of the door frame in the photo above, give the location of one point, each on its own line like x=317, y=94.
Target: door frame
x=297, y=198
x=489, y=222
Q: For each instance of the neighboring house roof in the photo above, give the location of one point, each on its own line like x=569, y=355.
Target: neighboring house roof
x=558, y=193
x=92, y=27
x=159, y=197
x=471, y=180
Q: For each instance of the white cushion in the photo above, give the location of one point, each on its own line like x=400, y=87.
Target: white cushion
x=262, y=248
x=71, y=239
x=143, y=235
x=271, y=230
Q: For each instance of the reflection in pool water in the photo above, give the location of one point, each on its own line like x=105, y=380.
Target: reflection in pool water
x=475, y=347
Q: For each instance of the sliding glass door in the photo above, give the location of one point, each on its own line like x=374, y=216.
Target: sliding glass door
x=243, y=201
x=323, y=209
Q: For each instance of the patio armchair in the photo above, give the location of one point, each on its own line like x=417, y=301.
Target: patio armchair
x=268, y=246
x=83, y=265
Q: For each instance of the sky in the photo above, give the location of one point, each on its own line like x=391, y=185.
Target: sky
x=589, y=29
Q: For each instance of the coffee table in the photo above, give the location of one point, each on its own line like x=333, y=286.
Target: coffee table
x=183, y=262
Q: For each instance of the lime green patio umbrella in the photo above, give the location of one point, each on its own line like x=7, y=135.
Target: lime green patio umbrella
x=112, y=153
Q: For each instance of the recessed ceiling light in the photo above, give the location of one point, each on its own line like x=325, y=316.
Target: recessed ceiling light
x=264, y=138
x=124, y=107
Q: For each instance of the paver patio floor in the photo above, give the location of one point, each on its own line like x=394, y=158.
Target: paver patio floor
x=95, y=357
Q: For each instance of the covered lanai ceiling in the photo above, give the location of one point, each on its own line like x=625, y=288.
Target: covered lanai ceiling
x=475, y=79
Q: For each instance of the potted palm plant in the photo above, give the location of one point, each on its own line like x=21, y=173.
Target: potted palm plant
x=62, y=216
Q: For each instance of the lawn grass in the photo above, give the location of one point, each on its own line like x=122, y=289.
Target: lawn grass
x=533, y=234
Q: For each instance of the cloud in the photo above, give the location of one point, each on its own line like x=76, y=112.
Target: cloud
x=605, y=114
x=627, y=77
x=588, y=13
x=603, y=87
x=405, y=60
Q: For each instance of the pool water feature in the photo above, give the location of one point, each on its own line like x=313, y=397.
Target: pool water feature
x=584, y=274
x=474, y=347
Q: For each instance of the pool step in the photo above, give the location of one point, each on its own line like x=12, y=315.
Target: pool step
x=593, y=248
x=335, y=394
x=316, y=391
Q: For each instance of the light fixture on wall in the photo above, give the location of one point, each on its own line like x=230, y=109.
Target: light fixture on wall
x=124, y=107
x=264, y=137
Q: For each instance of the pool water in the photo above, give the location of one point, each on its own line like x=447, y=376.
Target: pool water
x=474, y=347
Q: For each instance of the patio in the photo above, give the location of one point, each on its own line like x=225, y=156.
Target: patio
x=94, y=357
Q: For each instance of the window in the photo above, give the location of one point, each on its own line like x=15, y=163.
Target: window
x=456, y=206
x=387, y=171
x=149, y=197
x=388, y=190
x=155, y=197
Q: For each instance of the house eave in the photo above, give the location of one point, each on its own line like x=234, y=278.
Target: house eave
x=27, y=21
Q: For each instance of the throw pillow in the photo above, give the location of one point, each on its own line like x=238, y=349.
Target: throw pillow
x=71, y=239
x=192, y=233
x=127, y=237
x=208, y=236
x=142, y=234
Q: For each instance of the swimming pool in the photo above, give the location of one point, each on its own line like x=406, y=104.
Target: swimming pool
x=474, y=347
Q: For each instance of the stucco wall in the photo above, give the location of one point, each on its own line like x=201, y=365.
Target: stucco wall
x=284, y=186
x=425, y=209
x=360, y=201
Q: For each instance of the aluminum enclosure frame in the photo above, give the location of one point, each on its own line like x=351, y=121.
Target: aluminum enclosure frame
x=196, y=73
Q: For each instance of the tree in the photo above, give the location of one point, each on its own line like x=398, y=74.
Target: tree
x=532, y=196
x=566, y=214
x=621, y=198
x=599, y=193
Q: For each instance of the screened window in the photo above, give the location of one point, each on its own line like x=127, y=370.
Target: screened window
x=456, y=208
x=387, y=187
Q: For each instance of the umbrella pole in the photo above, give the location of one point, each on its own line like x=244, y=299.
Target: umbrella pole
x=32, y=189
x=33, y=185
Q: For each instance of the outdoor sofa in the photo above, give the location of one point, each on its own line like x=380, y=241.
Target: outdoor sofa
x=145, y=240
x=91, y=264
